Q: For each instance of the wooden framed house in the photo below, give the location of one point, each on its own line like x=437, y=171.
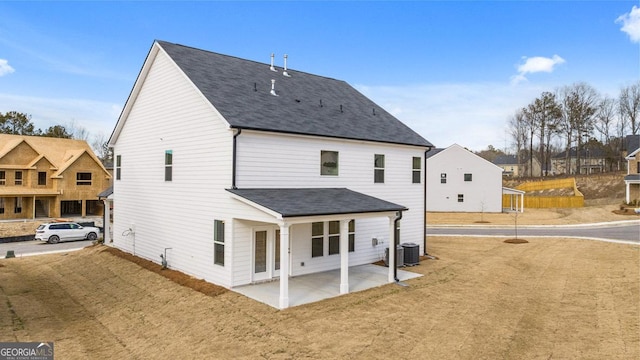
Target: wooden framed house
x=43, y=177
x=240, y=172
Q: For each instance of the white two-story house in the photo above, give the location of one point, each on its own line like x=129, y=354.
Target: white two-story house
x=242, y=172
x=461, y=181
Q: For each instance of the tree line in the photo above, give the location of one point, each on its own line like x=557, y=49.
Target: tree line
x=17, y=123
x=571, y=117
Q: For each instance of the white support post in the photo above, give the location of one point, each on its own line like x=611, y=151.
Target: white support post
x=106, y=224
x=344, y=256
x=392, y=248
x=284, y=266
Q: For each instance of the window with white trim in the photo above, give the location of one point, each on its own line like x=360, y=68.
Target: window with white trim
x=334, y=237
x=378, y=168
x=460, y=197
x=416, y=174
x=317, y=239
x=118, y=166
x=218, y=242
x=443, y=178
x=468, y=177
x=329, y=163
x=168, y=165
x=352, y=236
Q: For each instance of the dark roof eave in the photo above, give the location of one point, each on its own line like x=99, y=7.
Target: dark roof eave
x=343, y=213
x=428, y=145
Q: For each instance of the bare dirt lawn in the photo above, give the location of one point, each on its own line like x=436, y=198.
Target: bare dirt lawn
x=548, y=298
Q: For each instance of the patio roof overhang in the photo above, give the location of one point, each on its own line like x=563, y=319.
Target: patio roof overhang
x=300, y=204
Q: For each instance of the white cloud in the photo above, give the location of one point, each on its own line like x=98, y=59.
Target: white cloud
x=5, y=68
x=96, y=116
x=472, y=115
x=534, y=65
x=631, y=24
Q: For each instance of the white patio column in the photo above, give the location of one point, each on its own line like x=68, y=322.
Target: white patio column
x=106, y=226
x=344, y=256
x=628, y=194
x=392, y=247
x=284, y=266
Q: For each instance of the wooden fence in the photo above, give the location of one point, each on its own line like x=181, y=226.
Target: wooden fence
x=533, y=201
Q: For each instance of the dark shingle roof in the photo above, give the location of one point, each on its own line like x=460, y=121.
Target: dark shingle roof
x=240, y=91
x=633, y=143
x=632, y=177
x=434, y=151
x=314, y=202
x=505, y=160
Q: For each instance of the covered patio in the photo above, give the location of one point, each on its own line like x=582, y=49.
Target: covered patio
x=287, y=207
x=305, y=289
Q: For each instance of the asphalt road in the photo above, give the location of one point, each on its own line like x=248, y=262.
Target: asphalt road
x=625, y=232
x=35, y=247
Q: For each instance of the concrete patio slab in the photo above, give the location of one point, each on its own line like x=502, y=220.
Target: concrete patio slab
x=310, y=288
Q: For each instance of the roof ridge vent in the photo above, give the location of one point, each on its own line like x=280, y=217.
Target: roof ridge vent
x=273, y=87
x=285, y=73
x=272, y=68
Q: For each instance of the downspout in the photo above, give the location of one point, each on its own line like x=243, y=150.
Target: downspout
x=233, y=165
x=396, y=242
x=424, y=201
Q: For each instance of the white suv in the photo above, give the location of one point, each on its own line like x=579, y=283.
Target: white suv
x=61, y=231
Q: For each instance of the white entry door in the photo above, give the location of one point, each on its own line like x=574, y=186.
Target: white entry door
x=266, y=253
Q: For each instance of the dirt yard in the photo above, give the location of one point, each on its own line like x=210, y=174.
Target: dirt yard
x=546, y=299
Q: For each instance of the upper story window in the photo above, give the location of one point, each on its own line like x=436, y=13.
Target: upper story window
x=18, y=178
x=416, y=170
x=378, y=168
x=443, y=178
x=329, y=163
x=168, y=165
x=42, y=178
x=460, y=197
x=3, y=178
x=468, y=177
x=83, y=178
x=118, y=165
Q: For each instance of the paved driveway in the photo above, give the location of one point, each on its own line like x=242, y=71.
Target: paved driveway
x=35, y=247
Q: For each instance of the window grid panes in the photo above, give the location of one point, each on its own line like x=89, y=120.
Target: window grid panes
x=443, y=178
x=118, y=165
x=317, y=239
x=468, y=177
x=334, y=237
x=83, y=178
x=218, y=242
x=417, y=170
x=18, y=178
x=378, y=168
x=460, y=197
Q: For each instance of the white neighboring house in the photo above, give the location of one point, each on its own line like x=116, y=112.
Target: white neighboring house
x=461, y=181
x=242, y=172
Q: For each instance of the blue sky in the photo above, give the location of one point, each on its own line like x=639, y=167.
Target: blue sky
x=454, y=71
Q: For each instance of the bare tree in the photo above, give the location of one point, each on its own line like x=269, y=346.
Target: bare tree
x=604, y=121
x=629, y=106
x=518, y=130
x=78, y=131
x=579, y=105
x=99, y=144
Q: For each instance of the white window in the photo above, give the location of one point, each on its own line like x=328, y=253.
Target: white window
x=328, y=233
x=168, y=165
x=118, y=166
x=218, y=242
x=378, y=168
x=417, y=170
x=329, y=163
x=334, y=237
x=443, y=178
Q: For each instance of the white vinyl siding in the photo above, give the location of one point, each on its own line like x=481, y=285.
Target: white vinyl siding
x=459, y=180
